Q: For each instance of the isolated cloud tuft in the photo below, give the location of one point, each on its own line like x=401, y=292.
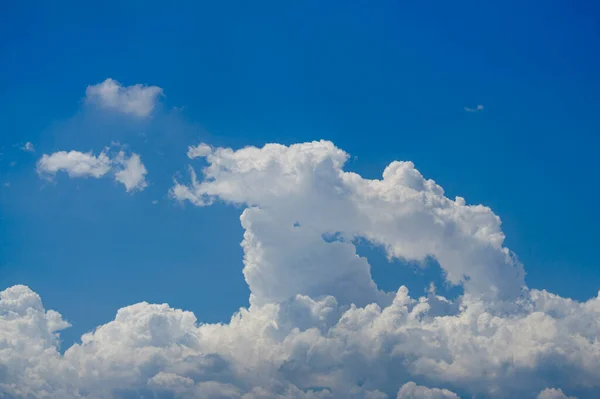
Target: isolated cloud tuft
x=476, y=109
x=75, y=163
x=127, y=170
x=133, y=172
x=138, y=100
x=28, y=147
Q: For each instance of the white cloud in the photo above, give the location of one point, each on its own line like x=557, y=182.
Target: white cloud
x=201, y=150
x=75, y=163
x=28, y=147
x=130, y=171
x=551, y=393
x=317, y=325
x=406, y=214
x=476, y=109
x=138, y=100
x=410, y=390
x=133, y=173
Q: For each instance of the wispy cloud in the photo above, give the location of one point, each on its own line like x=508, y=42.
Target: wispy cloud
x=28, y=147
x=478, y=108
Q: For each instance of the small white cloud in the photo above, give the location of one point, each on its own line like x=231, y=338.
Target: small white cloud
x=138, y=100
x=199, y=151
x=75, y=163
x=28, y=147
x=154, y=202
x=476, y=109
x=133, y=174
x=6, y=184
x=127, y=170
x=552, y=393
x=410, y=390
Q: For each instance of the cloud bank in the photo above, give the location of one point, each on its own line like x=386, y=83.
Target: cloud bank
x=137, y=100
x=128, y=170
x=317, y=326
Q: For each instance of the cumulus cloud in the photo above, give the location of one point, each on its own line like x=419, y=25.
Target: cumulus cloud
x=75, y=164
x=405, y=214
x=28, y=147
x=476, y=109
x=551, y=393
x=138, y=100
x=128, y=170
x=317, y=326
x=201, y=150
x=410, y=390
x=133, y=172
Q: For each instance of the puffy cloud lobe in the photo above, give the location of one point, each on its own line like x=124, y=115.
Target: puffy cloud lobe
x=317, y=325
x=410, y=390
x=133, y=172
x=128, y=170
x=138, y=100
x=199, y=151
x=551, y=393
x=75, y=163
x=365, y=353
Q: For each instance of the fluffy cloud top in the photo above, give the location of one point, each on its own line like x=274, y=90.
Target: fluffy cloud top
x=127, y=170
x=317, y=325
x=138, y=100
x=201, y=150
x=410, y=390
x=404, y=213
x=551, y=393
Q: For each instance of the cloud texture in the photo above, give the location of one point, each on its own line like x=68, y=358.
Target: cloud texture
x=317, y=326
x=128, y=170
x=137, y=100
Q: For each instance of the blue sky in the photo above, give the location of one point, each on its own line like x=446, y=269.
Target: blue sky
x=386, y=81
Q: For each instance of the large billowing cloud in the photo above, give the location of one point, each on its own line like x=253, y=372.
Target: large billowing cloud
x=138, y=100
x=317, y=326
x=128, y=170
